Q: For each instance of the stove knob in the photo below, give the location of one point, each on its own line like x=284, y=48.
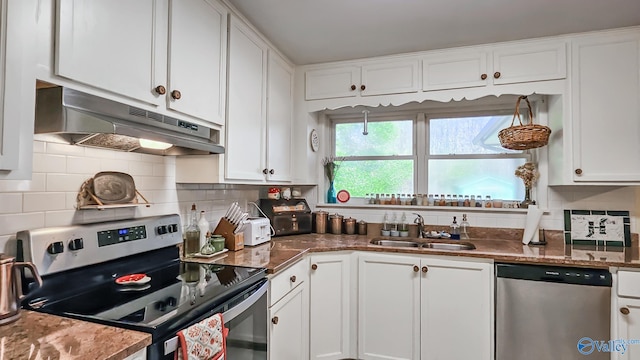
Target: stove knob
x=173, y=228
x=162, y=230
x=161, y=306
x=171, y=301
x=55, y=248
x=76, y=244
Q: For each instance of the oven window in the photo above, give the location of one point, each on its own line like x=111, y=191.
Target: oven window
x=247, y=337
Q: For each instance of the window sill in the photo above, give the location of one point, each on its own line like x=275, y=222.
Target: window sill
x=424, y=208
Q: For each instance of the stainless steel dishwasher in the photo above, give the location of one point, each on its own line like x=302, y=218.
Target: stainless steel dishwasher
x=549, y=313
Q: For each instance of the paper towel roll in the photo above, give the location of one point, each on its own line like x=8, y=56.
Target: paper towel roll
x=531, y=226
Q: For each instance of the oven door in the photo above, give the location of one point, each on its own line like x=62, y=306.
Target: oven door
x=247, y=324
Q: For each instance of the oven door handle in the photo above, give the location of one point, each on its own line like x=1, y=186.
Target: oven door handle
x=171, y=345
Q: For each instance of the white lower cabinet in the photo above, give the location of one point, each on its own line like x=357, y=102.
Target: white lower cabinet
x=625, y=313
x=424, y=308
x=289, y=314
x=332, y=307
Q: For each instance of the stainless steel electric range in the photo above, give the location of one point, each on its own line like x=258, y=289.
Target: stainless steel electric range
x=128, y=274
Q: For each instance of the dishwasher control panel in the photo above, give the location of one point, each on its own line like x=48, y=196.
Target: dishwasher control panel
x=568, y=275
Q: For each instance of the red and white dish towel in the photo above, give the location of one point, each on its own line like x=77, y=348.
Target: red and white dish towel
x=205, y=340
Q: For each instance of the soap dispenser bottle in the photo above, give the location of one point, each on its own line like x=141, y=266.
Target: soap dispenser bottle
x=464, y=225
x=455, y=230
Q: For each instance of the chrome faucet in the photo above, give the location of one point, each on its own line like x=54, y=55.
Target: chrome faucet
x=420, y=221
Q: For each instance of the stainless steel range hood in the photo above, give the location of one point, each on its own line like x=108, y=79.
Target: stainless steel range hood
x=84, y=119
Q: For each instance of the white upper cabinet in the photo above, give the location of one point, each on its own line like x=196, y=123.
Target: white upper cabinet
x=279, y=118
x=260, y=107
x=454, y=70
x=17, y=87
x=168, y=54
x=340, y=81
x=197, y=59
x=246, y=114
x=109, y=45
x=530, y=61
x=605, y=103
x=499, y=65
x=370, y=78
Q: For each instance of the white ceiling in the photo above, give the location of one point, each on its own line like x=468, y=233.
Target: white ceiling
x=309, y=31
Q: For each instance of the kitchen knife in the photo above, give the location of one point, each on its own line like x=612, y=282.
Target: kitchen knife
x=228, y=213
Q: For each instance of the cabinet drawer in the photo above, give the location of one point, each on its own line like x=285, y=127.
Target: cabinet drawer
x=287, y=280
x=629, y=284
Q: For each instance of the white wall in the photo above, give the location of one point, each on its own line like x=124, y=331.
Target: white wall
x=59, y=170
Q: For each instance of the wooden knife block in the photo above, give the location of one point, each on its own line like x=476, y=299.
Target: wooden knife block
x=233, y=242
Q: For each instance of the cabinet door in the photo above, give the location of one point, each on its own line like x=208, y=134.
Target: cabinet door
x=389, y=307
x=390, y=78
x=334, y=82
x=606, y=108
x=454, y=70
x=628, y=326
x=529, y=62
x=17, y=87
x=289, y=327
x=457, y=305
x=330, y=314
x=245, y=148
x=197, y=59
x=279, y=115
x=109, y=44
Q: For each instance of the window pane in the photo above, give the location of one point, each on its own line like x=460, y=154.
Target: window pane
x=468, y=135
x=385, y=138
x=493, y=177
x=375, y=176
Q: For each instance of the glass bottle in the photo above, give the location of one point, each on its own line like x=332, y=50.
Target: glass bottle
x=377, y=199
x=398, y=201
x=455, y=230
x=436, y=200
x=414, y=199
x=443, y=200
x=454, y=200
x=479, y=201
x=466, y=202
x=203, y=227
x=464, y=225
x=460, y=200
x=191, y=239
x=431, y=200
x=393, y=199
x=385, y=223
x=472, y=202
x=487, y=201
x=403, y=223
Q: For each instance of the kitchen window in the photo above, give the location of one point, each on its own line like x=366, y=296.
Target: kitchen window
x=429, y=153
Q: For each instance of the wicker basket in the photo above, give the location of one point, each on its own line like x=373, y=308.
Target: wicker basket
x=523, y=137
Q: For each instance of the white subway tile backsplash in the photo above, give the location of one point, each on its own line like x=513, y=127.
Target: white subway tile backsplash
x=82, y=165
x=140, y=168
x=64, y=149
x=99, y=153
x=44, y=201
x=65, y=182
x=10, y=203
x=39, y=146
x=91, y=216
x=114, y=165
x=12, y=223
x=162, y=170
x=37, y=183
x=62, y=218
x=48, y=163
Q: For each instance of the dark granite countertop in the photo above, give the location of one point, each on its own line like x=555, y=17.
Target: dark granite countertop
x=42, y=336
x=283, y=251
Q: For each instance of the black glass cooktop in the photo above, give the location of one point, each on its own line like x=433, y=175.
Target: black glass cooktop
x=176, y=292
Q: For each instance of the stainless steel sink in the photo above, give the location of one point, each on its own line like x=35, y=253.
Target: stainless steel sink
x=395, y=243
x=448, y=246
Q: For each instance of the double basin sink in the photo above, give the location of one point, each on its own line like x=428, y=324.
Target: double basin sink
x=440, y=245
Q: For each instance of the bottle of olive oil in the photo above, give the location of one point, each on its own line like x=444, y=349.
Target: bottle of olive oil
x=191, y=236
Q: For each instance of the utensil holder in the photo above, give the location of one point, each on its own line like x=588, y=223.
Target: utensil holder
x=233, y=242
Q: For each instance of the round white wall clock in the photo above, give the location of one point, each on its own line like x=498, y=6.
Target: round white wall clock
x=315, y=141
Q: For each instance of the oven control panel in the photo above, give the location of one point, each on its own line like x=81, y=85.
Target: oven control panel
x=110, y=237
x=70, y=247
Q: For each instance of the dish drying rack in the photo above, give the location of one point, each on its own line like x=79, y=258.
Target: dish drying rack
x=87, y=200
